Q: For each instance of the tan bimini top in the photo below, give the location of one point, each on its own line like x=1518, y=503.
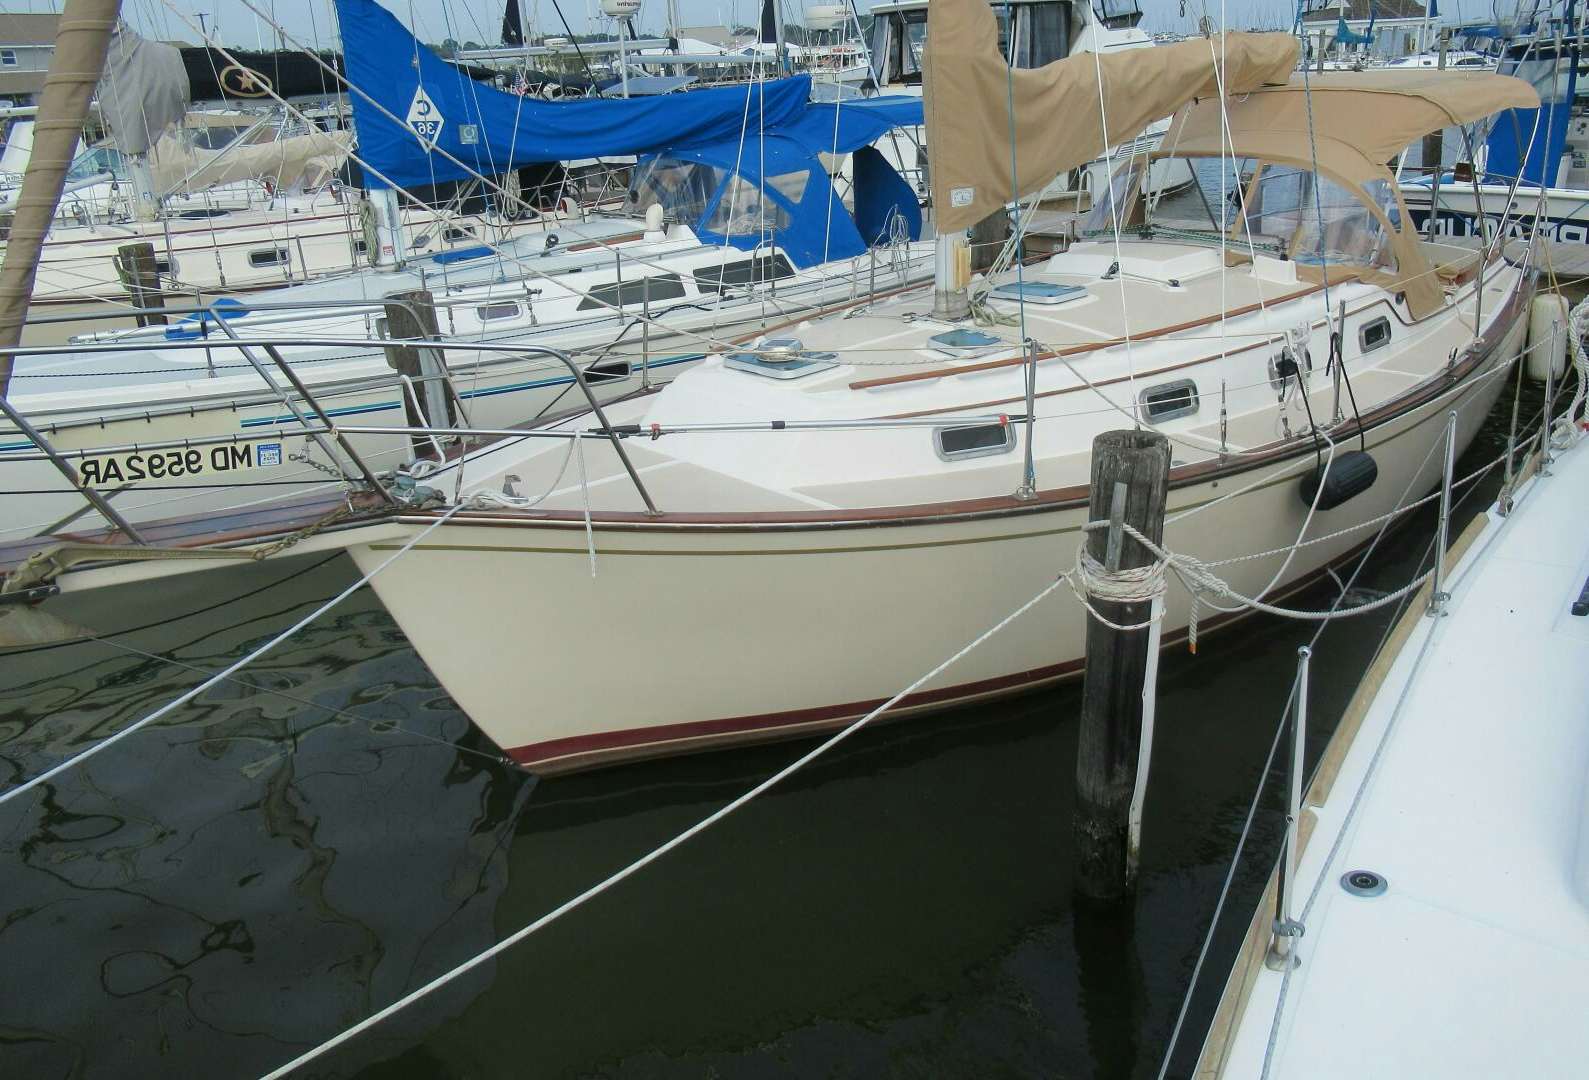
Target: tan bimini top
x=1360, y=120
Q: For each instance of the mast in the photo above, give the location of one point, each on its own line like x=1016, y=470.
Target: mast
x=81, y=43
x=772, y=30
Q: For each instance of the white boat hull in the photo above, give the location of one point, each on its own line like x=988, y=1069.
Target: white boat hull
x=1565, y=219
x=691, y=635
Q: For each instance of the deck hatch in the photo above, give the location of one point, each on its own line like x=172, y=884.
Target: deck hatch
x=1038, y=292
x=964, y=342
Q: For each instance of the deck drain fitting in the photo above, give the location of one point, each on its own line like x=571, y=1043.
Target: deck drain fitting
x=1363, y=883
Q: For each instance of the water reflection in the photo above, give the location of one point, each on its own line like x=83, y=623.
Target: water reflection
x=260, y=871
x=278, y=861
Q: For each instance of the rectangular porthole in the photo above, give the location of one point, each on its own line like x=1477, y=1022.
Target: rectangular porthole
x=973, y=441
x=490, y=312
x=745, y=272
x=607, y=371
x=1374, y=334
x=629, y=293
x=269, y=257
x=458, y=234
x=1169, y=400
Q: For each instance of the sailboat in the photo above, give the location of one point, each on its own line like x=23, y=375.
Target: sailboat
x=232, y=201
x=735, y=226
x=1441, y=864
x=1530, y=174
x=815, y=523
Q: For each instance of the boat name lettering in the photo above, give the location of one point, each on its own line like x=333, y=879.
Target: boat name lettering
x=110, y=469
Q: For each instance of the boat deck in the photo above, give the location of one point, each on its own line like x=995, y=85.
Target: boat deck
x=209, y=530
x=1465, y=790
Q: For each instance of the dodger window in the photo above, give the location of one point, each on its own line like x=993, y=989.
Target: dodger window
x=682, y=188
x=744, y=209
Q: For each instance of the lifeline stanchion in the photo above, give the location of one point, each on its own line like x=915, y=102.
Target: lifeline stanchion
x=1546, y=458
x=1437, y=594
x=1287, y=929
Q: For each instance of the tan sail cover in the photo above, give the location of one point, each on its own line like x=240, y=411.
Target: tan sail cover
x=1360, y=119
x=1057, y=122
x=299, y=161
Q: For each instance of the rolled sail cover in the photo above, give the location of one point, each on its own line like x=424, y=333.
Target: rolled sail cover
x=1057, y=123
x=491, y=131
x=144, y=90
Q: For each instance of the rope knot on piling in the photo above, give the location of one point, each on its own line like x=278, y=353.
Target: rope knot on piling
x=1138, y=585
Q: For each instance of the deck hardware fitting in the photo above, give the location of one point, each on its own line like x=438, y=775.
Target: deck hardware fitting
x=1364, y=883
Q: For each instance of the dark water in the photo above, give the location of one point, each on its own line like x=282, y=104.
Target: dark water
x=221, y=891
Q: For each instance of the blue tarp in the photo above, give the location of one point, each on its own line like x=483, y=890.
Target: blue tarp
x=759, y=131
x=492, y=131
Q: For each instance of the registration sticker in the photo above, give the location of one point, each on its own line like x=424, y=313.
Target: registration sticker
x=105, y=470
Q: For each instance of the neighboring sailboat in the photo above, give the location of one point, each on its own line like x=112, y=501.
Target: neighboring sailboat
x=261, y=209
x=1441, y=887
x=1533, y=168
x=733, y=228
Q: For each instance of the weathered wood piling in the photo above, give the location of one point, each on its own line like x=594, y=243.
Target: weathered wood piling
x=411, y=315
x=1130, y=478
x=139, y=271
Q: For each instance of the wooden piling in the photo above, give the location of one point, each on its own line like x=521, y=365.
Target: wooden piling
x=139, y=272
x=411, y=315
x=987, y=238
x=1130, y=478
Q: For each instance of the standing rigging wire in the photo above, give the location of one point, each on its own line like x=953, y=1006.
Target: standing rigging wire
x=1028, y=488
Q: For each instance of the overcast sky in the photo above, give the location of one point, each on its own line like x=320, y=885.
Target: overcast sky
x=310, y=21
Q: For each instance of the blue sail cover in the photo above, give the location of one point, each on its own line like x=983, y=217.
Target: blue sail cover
x=1528, y=144
x=493, y=132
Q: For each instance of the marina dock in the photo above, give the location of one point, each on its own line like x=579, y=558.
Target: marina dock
x=814, y=548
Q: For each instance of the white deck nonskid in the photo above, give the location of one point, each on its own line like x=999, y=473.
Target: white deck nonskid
x=1473, y=962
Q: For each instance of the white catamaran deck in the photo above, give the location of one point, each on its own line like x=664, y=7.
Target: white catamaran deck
x=1476, y=813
